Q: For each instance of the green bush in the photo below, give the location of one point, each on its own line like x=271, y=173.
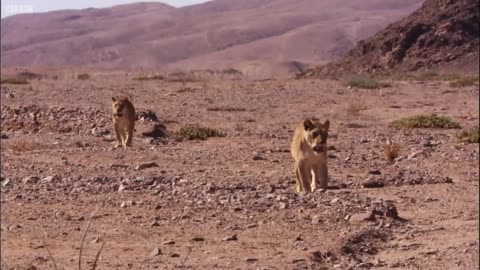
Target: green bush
x=425, y=121
x=365, y=82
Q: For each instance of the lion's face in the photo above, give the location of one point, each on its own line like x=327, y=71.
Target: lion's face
x=316, y=135
x=119, y=106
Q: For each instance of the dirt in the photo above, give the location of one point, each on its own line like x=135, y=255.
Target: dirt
x=441, y=34
x=229, y=202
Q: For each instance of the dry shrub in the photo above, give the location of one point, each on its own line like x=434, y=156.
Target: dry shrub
x=471, y=135
x=425, y=121
x=365, y=82
x=391, y=150
x=355, y=108
x=83, y=76
x=146, y=78
x=13, y=81
x=196, y=132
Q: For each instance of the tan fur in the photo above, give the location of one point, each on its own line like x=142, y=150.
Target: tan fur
x=309, y=152
x=123, y=114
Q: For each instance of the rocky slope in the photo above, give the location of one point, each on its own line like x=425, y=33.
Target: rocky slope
x=440, y=33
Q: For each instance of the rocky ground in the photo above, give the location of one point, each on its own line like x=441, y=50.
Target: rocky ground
x=229, y=202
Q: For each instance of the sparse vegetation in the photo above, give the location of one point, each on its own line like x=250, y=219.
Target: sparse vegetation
x=456, y=80
x=355, y=108
x=146, y=78
x=28, y=75
x=471, y=135
x=391, y=150
x=425, y=121
x=186, y=90
x=232, y=71
x=182, y=77
x=465, y=81
x=13, y=81
x=365, y=82
x=83, y=76
x=196, y=132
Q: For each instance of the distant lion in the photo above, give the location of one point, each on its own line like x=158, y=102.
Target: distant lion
x=123, y=114
x=309, y=152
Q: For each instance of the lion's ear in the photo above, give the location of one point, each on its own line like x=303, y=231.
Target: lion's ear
x=327, y=124
x=308, y=125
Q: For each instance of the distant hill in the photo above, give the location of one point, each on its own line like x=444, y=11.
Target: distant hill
x=267, y=37
x=442, y=34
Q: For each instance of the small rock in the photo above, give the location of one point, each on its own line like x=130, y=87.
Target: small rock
x=316, y=219
x=96, y=240
x=50, y=179
x=30, y=180
x=146, y=166
x=6, y=182
x=174, y=255
x=155, y=252
x=368, y=216
x=168, y=242
x=4, y=136
x=373, y=184
x=121, y=187
x=198, y=239
x=414, y=154
x=335, y=200
x=154, y=224
x=258, y=157
x=210, y=188
x=251, y=259
x=231, y=238
x=375, y=172
x=428, y=144
x=316, y=256
x=391, y=211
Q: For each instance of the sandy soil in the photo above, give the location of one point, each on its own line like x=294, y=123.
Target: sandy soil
x=229, y=203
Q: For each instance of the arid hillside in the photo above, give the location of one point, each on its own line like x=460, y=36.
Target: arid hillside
x=254, y=36
x=442, y=34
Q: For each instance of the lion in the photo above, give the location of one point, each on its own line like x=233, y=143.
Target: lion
x=309, y=152
x=123, y=114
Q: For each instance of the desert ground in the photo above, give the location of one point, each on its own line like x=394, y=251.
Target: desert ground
x=229, y=202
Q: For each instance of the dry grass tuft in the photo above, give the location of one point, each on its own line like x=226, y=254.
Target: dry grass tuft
x=465, y=81
x=391, y=150
x=196, y=132
x=471, y=135
x=13, y=81
x=83, y=76
x=365, y=82
x=355, y=108
x=146, y=78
